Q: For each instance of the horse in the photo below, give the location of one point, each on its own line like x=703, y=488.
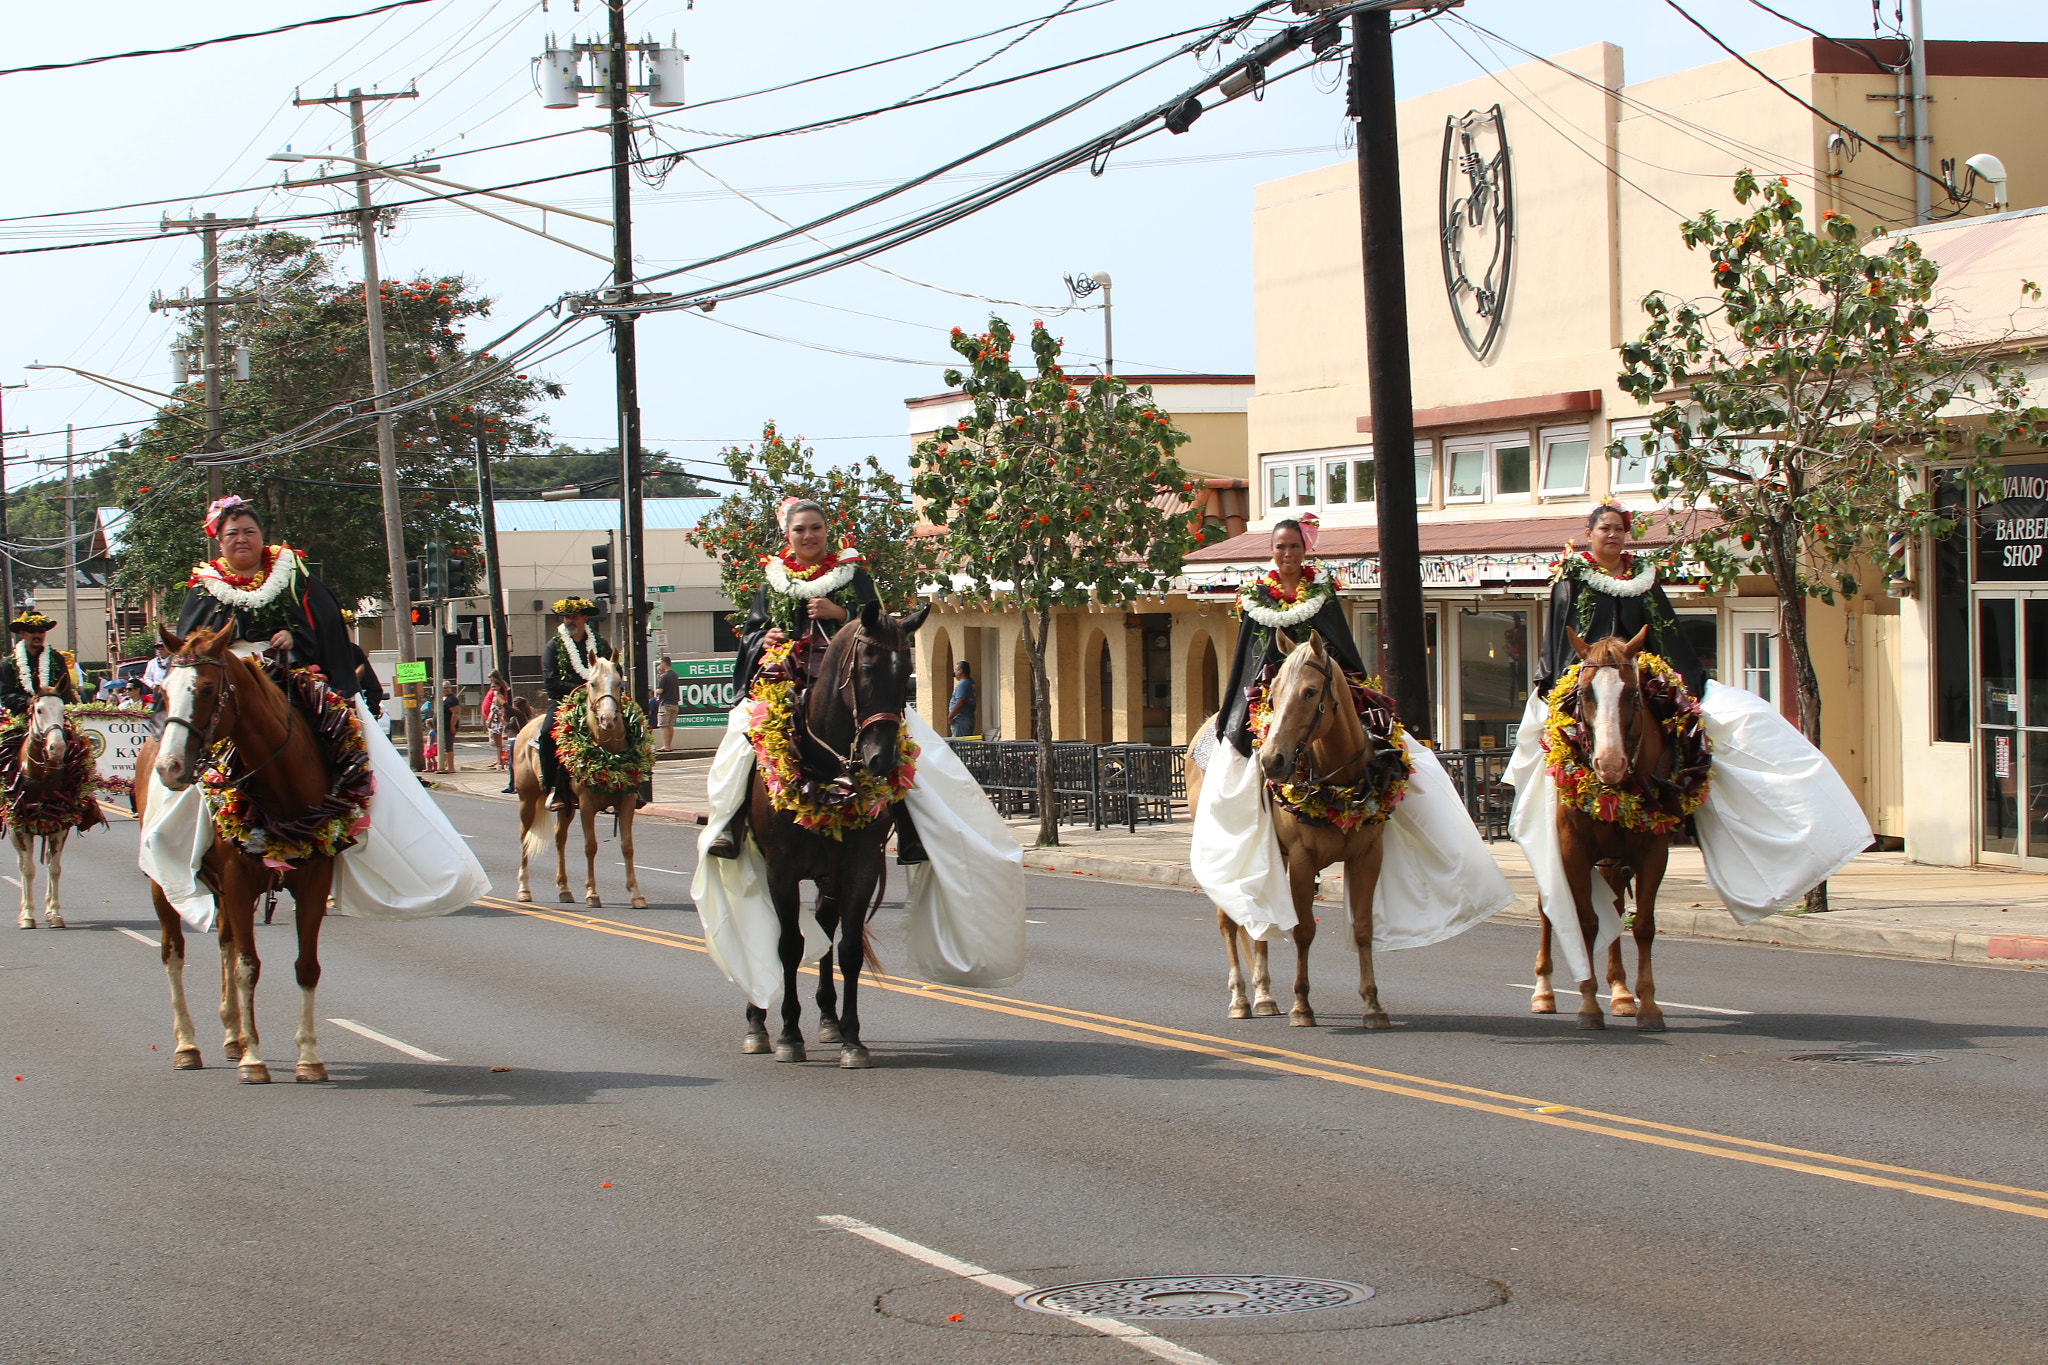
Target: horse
x=605, y=712
x=40, y=777
x=1316, y=732
x=852, y=717
x=213, y=695
x=1628, y=743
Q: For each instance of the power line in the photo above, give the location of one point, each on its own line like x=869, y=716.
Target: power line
x=211, y=42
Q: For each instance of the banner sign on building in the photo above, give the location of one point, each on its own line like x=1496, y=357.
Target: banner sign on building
x=2012, y=533
x=707, y=691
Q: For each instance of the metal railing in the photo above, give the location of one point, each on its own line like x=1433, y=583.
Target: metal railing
x=1477, y=774
x=1093, y=784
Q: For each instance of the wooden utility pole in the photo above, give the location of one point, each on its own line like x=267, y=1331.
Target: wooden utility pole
x=209, y=303
x=70, y=552
x=501, y=643
x=6, y=553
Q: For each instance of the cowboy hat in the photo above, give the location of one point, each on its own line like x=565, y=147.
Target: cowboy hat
x=31, y=622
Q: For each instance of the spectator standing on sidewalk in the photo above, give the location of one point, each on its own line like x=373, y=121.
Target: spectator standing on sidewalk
x=960, y=711
x=670, y=689
x=450, y=718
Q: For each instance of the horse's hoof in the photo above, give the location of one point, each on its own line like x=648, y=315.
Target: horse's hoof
x=854, y=1057
x=1623, y=1009
x=1264, y=1009
x=525, y=896
x=1238, y=1010
x=187, y=1059
x=27, y=921
x=54, y=920
x=1378, y=1019
x=231, y=1050
x=1592, y=1021
x=1302, y=1018
x=310, y=1071
x=565, y=898
x=791, y=1052
x=1649, y=1023
x=639, y=902
x=828, y=1031
x=755, y=1044
x=254, y=1073
x=1543, y=1004
x=593, y=902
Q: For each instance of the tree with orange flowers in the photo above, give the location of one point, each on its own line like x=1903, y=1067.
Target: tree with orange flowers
x=1054, y=491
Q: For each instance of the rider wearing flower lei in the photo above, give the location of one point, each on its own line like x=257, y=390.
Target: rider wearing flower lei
x=1289, y=596
x=30, y=667
x=270, y=598
x=1603, y=591
x=565, y=665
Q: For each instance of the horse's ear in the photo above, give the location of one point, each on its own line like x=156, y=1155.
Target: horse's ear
x=1579, y=646
x=1287, y=643
x=222, y=638
x=1635, y=646
x=870, y=612
x=911, y=622
x=163, y=632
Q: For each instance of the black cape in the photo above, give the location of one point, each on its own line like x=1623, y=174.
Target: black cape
x=1595, y=615
x=557, y=675
x=855, y=595
x=1257, y=647
x=305, y=608
x=367, y=681
x=16, y=690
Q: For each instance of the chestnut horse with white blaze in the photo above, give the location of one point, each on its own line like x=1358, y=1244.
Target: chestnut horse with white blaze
x=42, y=761
x=1628, y=742
x=1315, y=728
x=605, y=713
x=213, y=695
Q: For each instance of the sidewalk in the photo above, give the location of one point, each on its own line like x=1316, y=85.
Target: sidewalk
x=1882, y=904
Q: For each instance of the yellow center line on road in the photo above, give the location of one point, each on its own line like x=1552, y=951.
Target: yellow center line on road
x=1527, y=1109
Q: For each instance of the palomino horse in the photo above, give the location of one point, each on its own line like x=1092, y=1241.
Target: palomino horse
x=41, y=766
x=1316, y=731
x=1628, y=743
x=216, y=695
x=852, y=717
x=606, y=716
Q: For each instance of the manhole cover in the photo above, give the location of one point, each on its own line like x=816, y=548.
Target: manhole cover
x=1866, y=1058
x=1194, y=1296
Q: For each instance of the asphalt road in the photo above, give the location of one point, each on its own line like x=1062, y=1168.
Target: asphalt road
x=597, y=1174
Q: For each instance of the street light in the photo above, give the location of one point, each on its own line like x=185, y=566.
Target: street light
x=123, y=386
x=415, y=178
x=1080, y=287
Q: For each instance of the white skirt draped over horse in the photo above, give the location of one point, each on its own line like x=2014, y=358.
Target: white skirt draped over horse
x=1437, y=878
x=410, y=864
x=1778, y=819
x=964, y=916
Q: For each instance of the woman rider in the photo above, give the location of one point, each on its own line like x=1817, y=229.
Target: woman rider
x=564, y=664
x=1288, y=597
x=273, y=603
x=809, y=592
x=1603, y=591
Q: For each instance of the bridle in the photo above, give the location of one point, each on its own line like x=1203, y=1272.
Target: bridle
x=847, y=693
x=1331, y=678
x=33, y=744
x=1631, y=701
x=204, y=736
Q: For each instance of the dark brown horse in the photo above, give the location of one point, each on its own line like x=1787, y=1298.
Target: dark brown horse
x=851, y=717
x=214, y=695
x=1628, y=743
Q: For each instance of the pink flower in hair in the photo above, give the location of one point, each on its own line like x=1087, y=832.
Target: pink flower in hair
x=1311, y=531
x=219, y=508
x=782, y=510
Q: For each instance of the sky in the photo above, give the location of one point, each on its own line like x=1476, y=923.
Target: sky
x=830, y=359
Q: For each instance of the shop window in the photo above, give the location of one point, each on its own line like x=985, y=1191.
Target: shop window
x=1951, y=584
x=1702, y=630
x=1759, y=653
x=1493, y=676
x=1564, y=463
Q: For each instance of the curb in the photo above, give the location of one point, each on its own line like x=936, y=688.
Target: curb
x=1813, y=932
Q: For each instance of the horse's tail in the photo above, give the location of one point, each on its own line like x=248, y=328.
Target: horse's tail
x=532, y=843
x=869, y=957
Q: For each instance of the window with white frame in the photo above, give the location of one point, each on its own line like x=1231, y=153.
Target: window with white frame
x=1633, y=472
x=1488, y=469
x=1290, y=482
x=1348, y=476
x=1566, y=453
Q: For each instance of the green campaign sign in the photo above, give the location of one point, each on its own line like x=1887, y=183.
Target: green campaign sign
x=414, y=672
x=707, y=691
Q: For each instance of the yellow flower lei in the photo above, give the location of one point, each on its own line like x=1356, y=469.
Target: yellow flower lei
x=852, y=801
x=1345, y=806
x=1580, y=789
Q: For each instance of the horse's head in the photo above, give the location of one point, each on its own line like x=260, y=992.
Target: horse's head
x=199, y=687
x=1611, y=700
x=877, y=669
x=607, y=720
x=45, y=742
x=1302, y=697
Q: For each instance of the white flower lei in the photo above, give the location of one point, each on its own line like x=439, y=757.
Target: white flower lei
x=263, y=594
x=1284, y=617
x=1591, y=575
x=575, y=654
x=29, y=678
x=824, y=583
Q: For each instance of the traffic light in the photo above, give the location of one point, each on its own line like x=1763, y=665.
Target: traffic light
x=601, y=570
x=421, y=615
x=434, y=570
x=413, y=592
x=453, y=577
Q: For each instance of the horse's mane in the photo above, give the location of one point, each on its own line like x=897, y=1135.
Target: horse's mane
x=1611, y=652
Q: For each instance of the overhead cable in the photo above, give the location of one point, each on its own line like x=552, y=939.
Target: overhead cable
x=211, y=42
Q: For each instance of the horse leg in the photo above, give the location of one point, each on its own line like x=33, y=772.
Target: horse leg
x=230, y=999
x=1580, y=880
x=1361, y=878
x=1545, y=999
x=789, y=947
x=186, y=1057
x=586, y=807
x=1649, y=876
x=756, y=1041
x=827, y=912
x=1240, y=1008
x=1620, y=1001
x=24, y=856
x=627, y=805
x=309, y=902
x=53, y=869
x=530, y=840
x=562, y=819
x=238, y=915
x=854, y=890
x=1263, y=1004
x=1301, y=880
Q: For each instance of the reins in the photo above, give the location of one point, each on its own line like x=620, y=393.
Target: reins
x=205, y=736
x=844, y=689
x=1330, y=680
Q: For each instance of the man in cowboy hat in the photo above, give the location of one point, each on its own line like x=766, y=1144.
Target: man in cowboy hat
x=574, y=644
x=30, y=667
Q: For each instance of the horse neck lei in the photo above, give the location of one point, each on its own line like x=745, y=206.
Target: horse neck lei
x=571, y=653
x=1380, y=774
x=1646, y=802
x=1582, y=567
x=37, y=678
x=851, y=800
x=249, y=592
x=1269, y=603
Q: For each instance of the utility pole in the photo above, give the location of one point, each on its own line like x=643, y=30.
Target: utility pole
x=633, y=590
x=380, y=398
x=1079, y=287
x=6, y=553
x=1389, y=379
x=210, y=303
x=70, y=553
x=1922, y=197
x=501, y=643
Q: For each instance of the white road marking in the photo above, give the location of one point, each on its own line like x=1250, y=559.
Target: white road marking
x=144, y=939
x=407, y=1048
x=673, y=872
x=1034, y=921
x=1003, y=1284
x=17, y=885
x=1661, y=1002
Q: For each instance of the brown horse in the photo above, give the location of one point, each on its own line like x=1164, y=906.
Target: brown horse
x=1628, y=742
x=852, y=717
x=1315, y=730
x=607, y=719
x=41, y=764
x=215, y=695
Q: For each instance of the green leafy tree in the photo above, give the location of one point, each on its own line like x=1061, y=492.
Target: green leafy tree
x=309, y=349
x=524, y=476
x=1053, y=492
x=1812, y=392
x=861, y=500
